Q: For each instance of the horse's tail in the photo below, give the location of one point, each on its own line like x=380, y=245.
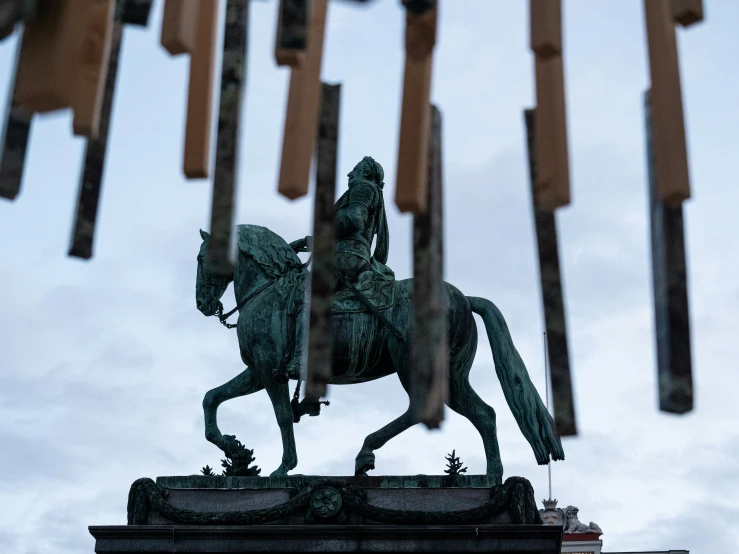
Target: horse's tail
x=532, y=417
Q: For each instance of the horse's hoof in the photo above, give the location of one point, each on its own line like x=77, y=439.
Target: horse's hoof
x=364, y=464
x=282, y=470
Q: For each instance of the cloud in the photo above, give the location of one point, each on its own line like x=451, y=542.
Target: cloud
x=103, y=365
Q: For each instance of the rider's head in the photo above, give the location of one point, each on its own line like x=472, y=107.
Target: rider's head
x=367, y=170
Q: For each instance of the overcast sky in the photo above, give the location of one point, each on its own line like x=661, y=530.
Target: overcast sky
x=104, y=364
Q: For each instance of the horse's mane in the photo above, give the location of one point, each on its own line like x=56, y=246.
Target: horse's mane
x=268, y=249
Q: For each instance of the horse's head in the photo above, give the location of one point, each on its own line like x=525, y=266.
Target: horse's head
x=209, y=286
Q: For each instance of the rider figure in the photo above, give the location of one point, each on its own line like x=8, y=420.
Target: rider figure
x=360, y=215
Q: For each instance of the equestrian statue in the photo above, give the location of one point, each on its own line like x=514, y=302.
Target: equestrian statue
x=372, y=315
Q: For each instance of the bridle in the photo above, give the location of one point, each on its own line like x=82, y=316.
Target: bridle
x=223, y=317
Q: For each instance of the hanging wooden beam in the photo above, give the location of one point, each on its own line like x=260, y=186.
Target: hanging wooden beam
x=136, y=12
x=429, y=381
x=323, y=280
x=669, y=271
x=14, y=12
x=228, y=143
x=199, y=124
x=553, y=173
x=14, y=142
x=546, y=27
x=687, y=12
x=92, y=66
x=180, y=26
x=551, y=289
x=292, y=32
x=670, y=149
x=88, y=198
x=46, y=67
x=14, y=147
x=301, y=118
x=420, y=38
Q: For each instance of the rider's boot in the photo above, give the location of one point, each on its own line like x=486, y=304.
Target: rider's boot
x=291, y=369
x=294, y=366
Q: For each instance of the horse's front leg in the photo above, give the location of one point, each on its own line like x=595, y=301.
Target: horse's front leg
x=279, y=394
x=244, y=383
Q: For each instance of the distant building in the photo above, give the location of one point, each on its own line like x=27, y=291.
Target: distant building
x=579, y=538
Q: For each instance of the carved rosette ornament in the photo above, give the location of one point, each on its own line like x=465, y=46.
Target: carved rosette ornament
x=325, y=504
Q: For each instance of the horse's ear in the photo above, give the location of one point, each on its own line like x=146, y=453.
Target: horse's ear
x=204, y=235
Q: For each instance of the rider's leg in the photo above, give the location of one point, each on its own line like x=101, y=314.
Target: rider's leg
x=296, y=366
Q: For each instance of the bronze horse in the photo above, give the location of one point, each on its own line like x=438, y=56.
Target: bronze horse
x=268, y=270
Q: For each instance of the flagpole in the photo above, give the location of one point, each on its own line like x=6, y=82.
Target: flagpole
x=546, y=380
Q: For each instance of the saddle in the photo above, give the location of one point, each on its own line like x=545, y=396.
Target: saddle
x=376, y=285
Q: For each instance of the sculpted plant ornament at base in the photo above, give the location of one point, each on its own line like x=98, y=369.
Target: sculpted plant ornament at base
x=454, y=465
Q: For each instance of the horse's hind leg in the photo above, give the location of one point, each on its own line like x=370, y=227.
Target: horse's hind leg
x=366, y=458
x=464, y=400
x=244, y=383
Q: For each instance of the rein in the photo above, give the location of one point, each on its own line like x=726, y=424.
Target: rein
x=223, y=317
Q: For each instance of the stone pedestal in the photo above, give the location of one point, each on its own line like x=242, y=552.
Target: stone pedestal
x=338, y=514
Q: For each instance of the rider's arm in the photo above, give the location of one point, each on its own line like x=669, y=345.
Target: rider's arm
x=302, y=245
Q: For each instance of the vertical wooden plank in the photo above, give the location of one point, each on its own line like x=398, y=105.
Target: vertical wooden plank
x=88, y=198
x=91, y=61
x=198, y=128
x=687, y=12
x=551, y=290
x=323, y=281
x=553, y=175
x=301, y=117
x=429, y=381
x=136, y=12
x=292, y=32
x=46, y=67
x=14, y=142
x=546, y=27
x=179, y=26
x=13, y=12
x=670, y=149
x=420, y=38
x=233, y=86
x=669, y=271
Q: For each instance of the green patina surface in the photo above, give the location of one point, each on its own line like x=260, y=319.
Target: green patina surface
x=269, y=284
x=290, y=481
